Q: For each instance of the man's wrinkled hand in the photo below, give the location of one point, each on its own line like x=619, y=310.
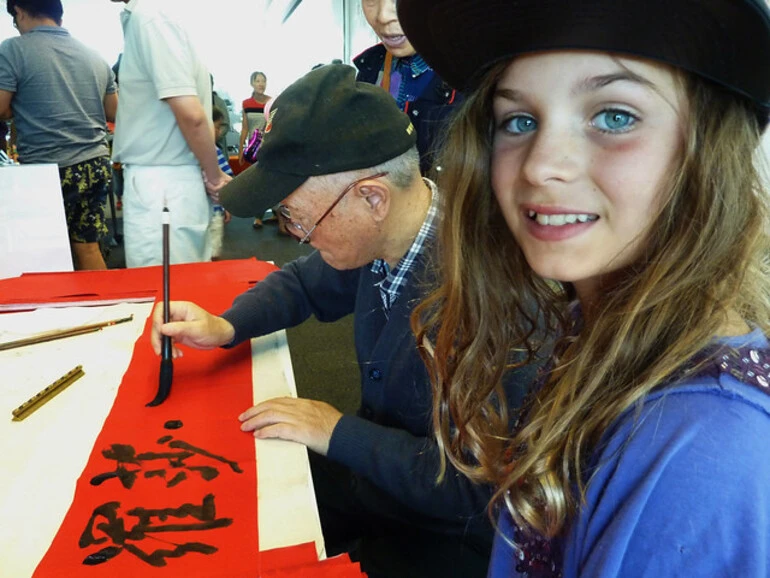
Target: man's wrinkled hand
x=304, y=421
x=189, y=325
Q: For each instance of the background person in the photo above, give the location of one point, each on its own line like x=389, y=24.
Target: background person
x=217, y=102
x=395, y=66
x=252, y=115
x=351, y=187
x=253, y=118
x=61, y=94
x=608, y=149
x=164, y=139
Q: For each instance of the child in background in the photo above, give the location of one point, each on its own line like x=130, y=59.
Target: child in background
x=218, y=118
x=601, y=167
x=220, y=216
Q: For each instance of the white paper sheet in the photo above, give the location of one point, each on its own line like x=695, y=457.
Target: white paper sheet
x=33, y=229
x=42, y=456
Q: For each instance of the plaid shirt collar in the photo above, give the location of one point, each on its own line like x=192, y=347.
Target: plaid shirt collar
x=394, y=280
x=415, y=63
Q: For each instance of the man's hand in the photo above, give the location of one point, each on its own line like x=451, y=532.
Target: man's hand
x=215, y=184
x=305, y=421
x=190, y=325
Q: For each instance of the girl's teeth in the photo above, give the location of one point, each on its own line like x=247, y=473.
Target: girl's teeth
x=559, y=220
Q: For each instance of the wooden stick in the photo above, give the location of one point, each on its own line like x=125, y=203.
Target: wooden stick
x=61, y=333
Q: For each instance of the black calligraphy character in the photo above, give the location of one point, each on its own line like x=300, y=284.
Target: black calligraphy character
x=122, y=539
x=126, y=456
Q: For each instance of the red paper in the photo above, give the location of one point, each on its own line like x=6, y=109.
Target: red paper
x=126, y=283
x=300, y=562
x=215, y=519
x=299, y=554
x=210, y=389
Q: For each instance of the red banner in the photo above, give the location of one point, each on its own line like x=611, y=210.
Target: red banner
x=169, y=490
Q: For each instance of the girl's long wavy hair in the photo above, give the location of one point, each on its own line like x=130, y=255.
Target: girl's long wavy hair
x=705, y=256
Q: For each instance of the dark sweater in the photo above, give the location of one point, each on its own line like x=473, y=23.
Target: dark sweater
x=428, y=112
x=389, y=442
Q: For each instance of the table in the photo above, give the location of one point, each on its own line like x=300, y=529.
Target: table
x=43, y=455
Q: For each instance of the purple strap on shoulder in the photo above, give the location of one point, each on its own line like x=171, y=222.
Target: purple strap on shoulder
x=746, y=364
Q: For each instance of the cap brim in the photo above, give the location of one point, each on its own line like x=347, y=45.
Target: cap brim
x=257, y=189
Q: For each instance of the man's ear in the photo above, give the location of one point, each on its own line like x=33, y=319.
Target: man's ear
x=377, y=197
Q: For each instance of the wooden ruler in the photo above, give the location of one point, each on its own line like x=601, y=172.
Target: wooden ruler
x=47, y=394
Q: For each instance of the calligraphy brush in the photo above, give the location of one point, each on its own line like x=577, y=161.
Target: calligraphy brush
x=166, y=362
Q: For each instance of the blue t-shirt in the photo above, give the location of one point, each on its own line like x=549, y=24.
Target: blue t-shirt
x=681, y=489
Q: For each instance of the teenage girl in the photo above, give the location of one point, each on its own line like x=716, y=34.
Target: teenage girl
x=601, y=167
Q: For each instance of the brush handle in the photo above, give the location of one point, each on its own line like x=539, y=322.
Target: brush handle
x=167, y=362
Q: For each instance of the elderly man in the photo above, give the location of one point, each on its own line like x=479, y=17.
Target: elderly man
x=340, y=158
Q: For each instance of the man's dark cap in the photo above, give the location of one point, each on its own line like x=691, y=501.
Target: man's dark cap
x=725, y=41
x=323, y=123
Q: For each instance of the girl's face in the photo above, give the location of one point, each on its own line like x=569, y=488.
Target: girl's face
x=583, y=145
x=260, y=84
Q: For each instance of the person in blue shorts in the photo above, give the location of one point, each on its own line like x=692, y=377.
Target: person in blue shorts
x=605, y=166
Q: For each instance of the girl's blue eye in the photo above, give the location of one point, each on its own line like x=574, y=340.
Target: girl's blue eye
x=520, y=124
x=614, y=121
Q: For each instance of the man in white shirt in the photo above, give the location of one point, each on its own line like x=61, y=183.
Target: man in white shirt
x=164, y=139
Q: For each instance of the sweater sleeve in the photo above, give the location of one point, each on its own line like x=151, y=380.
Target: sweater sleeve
x=304, y=287
x=406, y=466
x=682, y=491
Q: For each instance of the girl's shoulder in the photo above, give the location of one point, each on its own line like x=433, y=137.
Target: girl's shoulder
x=687, y=460
x=721, y=408
x=735, y=368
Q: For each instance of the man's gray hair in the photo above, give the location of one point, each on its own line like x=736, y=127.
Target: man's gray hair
x=402, y=172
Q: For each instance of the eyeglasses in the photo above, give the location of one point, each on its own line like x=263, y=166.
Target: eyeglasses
x=286, y=214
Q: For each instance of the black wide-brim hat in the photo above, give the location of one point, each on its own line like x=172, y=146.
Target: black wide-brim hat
x=725, y=41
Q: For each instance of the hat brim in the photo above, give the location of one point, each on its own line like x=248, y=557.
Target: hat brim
x=257, y=189
x=727, y=41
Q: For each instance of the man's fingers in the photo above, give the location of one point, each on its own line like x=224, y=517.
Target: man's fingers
x=263, y=407
x=281, y=431
x=259, y=417
x=174, y=328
